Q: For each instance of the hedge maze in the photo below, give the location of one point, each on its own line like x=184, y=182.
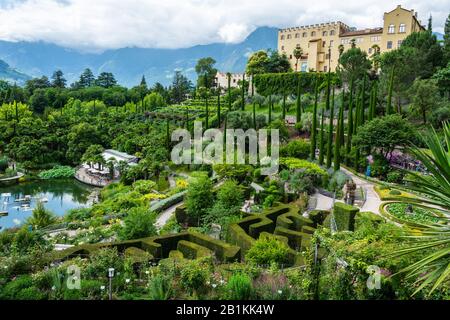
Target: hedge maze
x=189, y=245
x=283, y=221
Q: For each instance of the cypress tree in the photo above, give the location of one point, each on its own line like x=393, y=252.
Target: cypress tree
x=254, y=115
x=374, y=99
x=321, y=139
x=299, y=102
x=270, y=109
x=390, y=89
x=363, y=101
x=206, y=104
x=339, y=136
x=243, y=91
x=314, y=122
x=330, y=133
x=357, y=123
x=348, y=147
x=327, y=107
x=229, y=91
x=218, y=106
x=341, y=120
x=225, y=130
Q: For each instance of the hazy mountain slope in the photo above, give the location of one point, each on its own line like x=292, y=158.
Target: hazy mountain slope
x=129, y=64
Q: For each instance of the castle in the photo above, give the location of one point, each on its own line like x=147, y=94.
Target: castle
x=321, y=44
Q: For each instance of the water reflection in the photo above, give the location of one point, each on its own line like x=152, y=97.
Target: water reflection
x=58, y=196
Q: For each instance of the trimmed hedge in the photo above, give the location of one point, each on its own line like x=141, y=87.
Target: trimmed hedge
x=286, y=83
x=159, y=247
x=296, y=239
x=192, y=250
x=318, y=216
x=284, y=221
x=164, y=204
x=344, y=215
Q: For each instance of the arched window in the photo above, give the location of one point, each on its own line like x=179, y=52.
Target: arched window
x=313, y=34
x=305, y=34
x=324, y=34
x=282, y=37
x=297, y=35
x=332, y=33
x=289, y=36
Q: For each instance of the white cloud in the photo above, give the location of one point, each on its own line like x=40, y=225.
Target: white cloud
x=105, y=24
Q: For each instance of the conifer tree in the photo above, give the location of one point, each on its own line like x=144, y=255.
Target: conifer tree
x=339, y=135
x=330, y=132
x=321, y=138
x=299, y=102
x=390, y=90
x=218, y=106
x=348, y=147
x=314, y=122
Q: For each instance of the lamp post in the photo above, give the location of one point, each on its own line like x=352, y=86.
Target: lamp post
x=110, y=276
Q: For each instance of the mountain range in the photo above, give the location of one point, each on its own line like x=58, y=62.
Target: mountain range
x=21, y=60
x=129, y=64
x=11, y=75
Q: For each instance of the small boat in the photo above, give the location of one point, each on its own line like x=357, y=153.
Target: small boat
x=3, y=213
x=43, y=200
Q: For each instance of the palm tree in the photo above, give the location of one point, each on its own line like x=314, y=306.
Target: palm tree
x=298, y=52
x=341, y=49
x=376, y=57
x=433, y=269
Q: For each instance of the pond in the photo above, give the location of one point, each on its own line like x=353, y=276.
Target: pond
x=58, y=196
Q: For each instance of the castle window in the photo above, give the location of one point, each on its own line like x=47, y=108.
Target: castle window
x=332, y=33
x=289, y=36
x=313, y=34
x=305, y=34
x=324, y=34
x=331, y=43
x=325, y=68
x=402, y=28
x=282, y=37
x=282, y=48
x=297, y=35
x=389, y=44
x=391, y=28
x=324, y=43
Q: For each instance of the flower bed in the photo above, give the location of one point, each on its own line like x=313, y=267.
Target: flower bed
x=420, y=214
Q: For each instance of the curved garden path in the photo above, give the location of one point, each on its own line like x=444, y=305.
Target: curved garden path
x=165, y=215
x=373, y=201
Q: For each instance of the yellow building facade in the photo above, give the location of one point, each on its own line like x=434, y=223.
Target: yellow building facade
x=320, y=43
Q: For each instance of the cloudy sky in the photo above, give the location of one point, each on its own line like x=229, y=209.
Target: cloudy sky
x=95, y=25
